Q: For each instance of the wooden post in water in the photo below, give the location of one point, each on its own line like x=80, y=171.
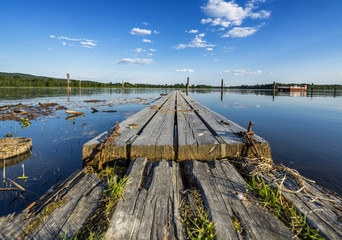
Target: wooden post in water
x=312, y=88
x=335, y=88
x=274, y=89
x=68, y=81
x=221, y=90
x=123, y=87
x=80, y=84
x=187, y=87
x=68, y=86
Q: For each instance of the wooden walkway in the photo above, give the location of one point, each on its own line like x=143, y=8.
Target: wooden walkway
x=176, y=128
x=174, y=147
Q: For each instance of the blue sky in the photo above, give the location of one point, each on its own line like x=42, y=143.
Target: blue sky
x=243, y=42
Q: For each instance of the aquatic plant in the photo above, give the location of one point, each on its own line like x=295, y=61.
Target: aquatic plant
x=24, y=122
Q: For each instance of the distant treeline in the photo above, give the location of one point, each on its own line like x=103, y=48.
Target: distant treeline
x=26, y=80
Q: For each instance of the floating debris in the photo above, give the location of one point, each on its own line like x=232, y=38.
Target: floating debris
x=74, y=112
x=93, y=101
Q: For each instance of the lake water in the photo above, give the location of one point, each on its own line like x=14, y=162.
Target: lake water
x=304, y=131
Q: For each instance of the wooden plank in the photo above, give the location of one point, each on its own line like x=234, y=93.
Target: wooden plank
x=149, y=209
x=81, y=201
x=221, y=186
x=231, y=143
x=126, y=213
x=128, y=130
x=256, y=220
x=323, y=209
x=195, y=141
x=156, y=140
x=227, y=127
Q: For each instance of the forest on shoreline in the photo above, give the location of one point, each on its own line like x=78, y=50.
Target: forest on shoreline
x=27, y=80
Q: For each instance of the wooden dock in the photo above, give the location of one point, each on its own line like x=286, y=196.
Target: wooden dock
x=175, y=127
x=180, y=156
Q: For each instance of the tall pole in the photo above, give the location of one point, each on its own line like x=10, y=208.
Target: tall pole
x=312, y=89
x=335, y=88
x=187, y=87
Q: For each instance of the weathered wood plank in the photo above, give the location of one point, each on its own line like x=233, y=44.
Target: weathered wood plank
x=221, y=188
x=195, y=141
x=125, y=217
x=149, y=209
x=52, y=225
x=323, y=210
x=128, y=130
x=156, y=140
x=214, y=119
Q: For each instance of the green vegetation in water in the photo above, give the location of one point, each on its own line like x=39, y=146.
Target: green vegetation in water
x=282, y=209
x=97, y=225
x=24, y=123
x=196, y=221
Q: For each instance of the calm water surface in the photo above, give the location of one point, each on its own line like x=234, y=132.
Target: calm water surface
x=304, y=132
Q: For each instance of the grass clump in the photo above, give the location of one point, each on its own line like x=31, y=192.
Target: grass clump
x=195, y=218
x=282, y=209
x=97, y=225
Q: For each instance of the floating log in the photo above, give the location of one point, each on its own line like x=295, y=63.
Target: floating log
x=74, y=112
x=12, y=147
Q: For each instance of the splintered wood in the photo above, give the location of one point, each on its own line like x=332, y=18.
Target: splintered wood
x=176, y=128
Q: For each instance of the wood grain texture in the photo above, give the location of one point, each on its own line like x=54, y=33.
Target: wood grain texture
x=156, y=140
x=195, y=141
x=149, y=208
x=81, y=194
x=214, y=119
x=225, y=197
x=127, y=132
x=322, y=208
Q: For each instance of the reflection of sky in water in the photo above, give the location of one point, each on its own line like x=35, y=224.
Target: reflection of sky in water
x=304, y=132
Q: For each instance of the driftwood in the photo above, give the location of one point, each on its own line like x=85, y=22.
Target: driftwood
x=74, y=112
x=12, y=147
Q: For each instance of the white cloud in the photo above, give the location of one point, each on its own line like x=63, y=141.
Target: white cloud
x=3, y=56
x=138, y=31
x=192, y=31
x=145, y=23
x=146, y=40
x=205, y=21
x=88, y=44
x=156, y=32
x=210, y=48
x=215, y=60
x=152, y=50
x=243, y=72
x=71, y=39
x=197, y=42
x=241, y=32
x=150, y=54
x=231, y=11
x=221, y=22
x=135, y=61
x=184, y=70
x=84, y=42
x=138, y=50
x=226, y=71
